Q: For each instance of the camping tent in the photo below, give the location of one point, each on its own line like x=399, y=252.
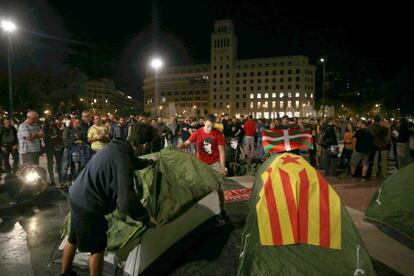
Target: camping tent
x=297, y=226
x=392, y=205
x=180, y=198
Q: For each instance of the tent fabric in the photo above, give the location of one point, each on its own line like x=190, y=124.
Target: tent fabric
x=393, y=204
x=299, y=259
x=168, y=189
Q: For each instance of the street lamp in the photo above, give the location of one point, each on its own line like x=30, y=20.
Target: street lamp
x=156, y=64
x=323, y=61
x=9, y=27
x=228, y=106
x=195, y=109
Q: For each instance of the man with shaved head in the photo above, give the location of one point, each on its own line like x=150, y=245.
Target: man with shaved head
x=29, y=135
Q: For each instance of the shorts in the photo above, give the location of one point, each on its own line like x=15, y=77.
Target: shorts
x=356, y=157
x=87, y=230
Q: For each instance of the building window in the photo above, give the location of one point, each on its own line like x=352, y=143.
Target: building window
x=221, y=97
x=227, y=96
x=244, y=74
x=273, y=104
x=266, y=80
x=244, y=104
x=244, y=88
x=251, y=81
x=297, y=86
x=296, y=104
x=251, y=105
x=214, y=105
x=238, y=75
x=281, y=104
x=289, y=86
x=237, y=96
x=289, y=104
x=237, y=88
x=259, y=88
x=228, y=75
x=297, y=71
x=259, y=73
x=289, y=95
x=227, y=89
x=281, y=72
x=281, y=95
x=289, y=71
x=282, y=87
x=289, y=79
x=244, y=81
x=214, y=97
x=266, y=88
x=311, y=95
x=306, y=95
x=244, y=96
x=259, y=81
x=297, y=94
x=281, y=79
x=251, y=96
x=259, y=104
x=227, y=82
x=251, y=74
x=237, y=105
x=259, y=96
x=266, y=95
x=297, y=79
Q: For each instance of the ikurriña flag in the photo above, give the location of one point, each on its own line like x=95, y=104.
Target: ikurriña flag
x=280, y=140
x=297, y=206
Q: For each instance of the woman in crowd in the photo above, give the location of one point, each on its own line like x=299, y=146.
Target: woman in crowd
x=348, y=145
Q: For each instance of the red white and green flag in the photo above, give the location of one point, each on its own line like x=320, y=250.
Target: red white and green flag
x=281, y=140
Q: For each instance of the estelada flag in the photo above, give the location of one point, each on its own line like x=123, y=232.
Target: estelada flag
x=297, y=205
x=280, y=140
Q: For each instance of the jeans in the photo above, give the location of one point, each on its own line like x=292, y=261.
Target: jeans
x=383, y=154
x=249, y=146
x=260, y=150
x=5, y=154
x=57, y=155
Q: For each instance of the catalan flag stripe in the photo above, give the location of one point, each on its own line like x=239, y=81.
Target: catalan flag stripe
x=325, y=231
x=303, y=206
x=291, y=203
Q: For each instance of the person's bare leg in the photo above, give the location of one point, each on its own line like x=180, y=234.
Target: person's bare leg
x=68, y=254
x=96, y=264
x=365, y=171
x=353, y=170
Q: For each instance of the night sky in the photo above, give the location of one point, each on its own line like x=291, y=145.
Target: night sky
x=116, y=40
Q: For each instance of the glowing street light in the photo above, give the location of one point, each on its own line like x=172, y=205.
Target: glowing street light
x=228, y=107
x=323, y=61
x=156, y=64
x=9, y=27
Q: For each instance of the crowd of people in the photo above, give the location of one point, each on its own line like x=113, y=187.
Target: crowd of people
x=346, y=144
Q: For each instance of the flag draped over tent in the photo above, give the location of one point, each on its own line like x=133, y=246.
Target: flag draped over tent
x=280, y=140
x=303, y=257
x=297, y=205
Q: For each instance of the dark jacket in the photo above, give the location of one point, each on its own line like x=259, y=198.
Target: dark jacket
x=118, y=131
x=52, y=131
x=107, y=180
x=329, y=137
x=8, y=136
x=70, y=135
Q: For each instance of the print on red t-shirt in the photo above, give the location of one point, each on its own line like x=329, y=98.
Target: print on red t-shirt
x=207, y=145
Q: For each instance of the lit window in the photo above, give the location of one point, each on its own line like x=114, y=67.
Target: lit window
x=266, y=95
x=273, y=95
x=311, y=95
x=289, y=104
x=296, y=104
x=273, y=104
x=297, y=94
x=266, y=105
x=289, y=95
x=306, y=95
x=281, y=104
x=251, y=96
x=259, y=104
x=259, y=96
x=281, y=95
x=251, y=105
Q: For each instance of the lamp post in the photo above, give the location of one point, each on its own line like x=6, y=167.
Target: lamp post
x=228, y=106
x=195, y=110
x=323, y=61
x=156, y=64
x=9, y=27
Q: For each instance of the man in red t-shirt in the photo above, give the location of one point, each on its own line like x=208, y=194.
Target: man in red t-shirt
x=210, y=148
x=249, y=133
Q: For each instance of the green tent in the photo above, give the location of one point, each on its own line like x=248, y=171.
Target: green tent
x=393, y=204
x=300, y=259
x=168, y=189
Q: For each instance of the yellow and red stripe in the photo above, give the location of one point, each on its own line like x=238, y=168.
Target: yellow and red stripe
x=297, y=205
